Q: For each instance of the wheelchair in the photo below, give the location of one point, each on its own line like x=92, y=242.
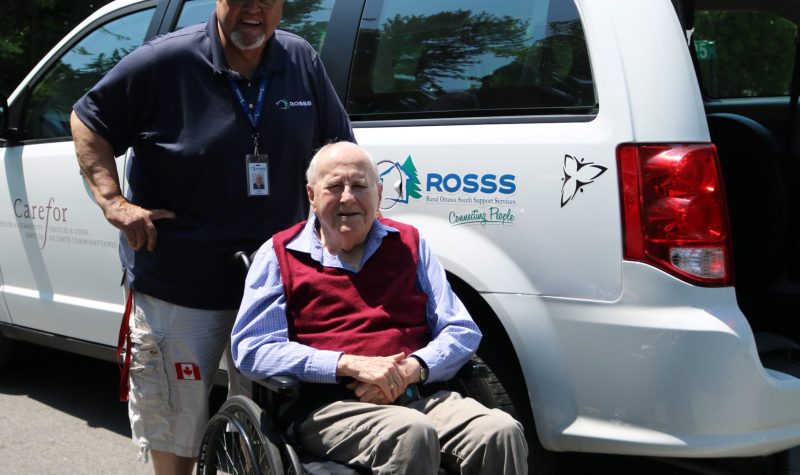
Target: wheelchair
x=246, y=437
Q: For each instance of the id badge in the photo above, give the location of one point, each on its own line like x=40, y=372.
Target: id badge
x=257, y=175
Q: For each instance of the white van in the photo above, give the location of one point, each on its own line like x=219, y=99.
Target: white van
x=609, y=184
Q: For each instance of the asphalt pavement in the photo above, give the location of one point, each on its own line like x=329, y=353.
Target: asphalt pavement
x=60, y=414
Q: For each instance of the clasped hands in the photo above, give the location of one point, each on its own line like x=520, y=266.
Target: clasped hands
x=379, y=379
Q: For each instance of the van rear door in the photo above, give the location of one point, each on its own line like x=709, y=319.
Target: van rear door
x=485, y=119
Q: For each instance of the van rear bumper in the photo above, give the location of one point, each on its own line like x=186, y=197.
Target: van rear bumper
x=668, y=369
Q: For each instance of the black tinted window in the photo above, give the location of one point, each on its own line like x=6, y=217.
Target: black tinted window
x=744, y=54
x=469, y=57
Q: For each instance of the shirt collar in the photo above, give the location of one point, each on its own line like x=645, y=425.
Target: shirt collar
x=308, y=242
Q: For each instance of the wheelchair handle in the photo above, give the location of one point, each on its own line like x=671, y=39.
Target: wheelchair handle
x=244, y=258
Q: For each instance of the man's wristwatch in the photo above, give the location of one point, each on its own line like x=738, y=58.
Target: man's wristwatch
x=423, y=369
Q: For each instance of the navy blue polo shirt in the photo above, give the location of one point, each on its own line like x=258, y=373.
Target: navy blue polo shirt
x=171, y=101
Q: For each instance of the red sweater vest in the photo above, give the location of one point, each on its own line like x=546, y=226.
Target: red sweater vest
x=379, y=311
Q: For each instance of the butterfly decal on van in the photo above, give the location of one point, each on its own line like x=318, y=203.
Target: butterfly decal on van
x=577, y=174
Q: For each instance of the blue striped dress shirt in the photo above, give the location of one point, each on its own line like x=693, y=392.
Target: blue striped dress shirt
x=260, y=339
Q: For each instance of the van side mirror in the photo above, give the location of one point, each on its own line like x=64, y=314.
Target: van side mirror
x=9, y=133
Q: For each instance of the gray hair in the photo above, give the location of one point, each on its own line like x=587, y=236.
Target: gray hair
x=311, y=172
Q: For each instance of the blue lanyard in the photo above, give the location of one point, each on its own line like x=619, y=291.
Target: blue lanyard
x=255, y=114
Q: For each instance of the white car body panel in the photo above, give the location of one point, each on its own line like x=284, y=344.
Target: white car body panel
x=554, y=236
x=61, y=276
x=60, y=262
x=653, y=387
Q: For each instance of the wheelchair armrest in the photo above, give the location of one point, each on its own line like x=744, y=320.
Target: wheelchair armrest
x=285, y=385
x=472, y=369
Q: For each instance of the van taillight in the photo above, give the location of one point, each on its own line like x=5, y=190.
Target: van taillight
x=674, y=212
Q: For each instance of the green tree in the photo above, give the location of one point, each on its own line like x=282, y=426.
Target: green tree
x=412, y=184
x=30, y=29
x=749, y=54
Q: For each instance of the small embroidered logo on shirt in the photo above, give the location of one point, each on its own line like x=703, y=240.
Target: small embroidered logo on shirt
x=285, y=104
x=189, y=371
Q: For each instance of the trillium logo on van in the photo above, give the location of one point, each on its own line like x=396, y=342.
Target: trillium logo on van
x=578, y=174
x=285, y=104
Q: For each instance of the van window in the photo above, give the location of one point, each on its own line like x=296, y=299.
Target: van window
x=194, y=12
x=69, y=78
x=744, y=54
x=306, y=18
x=453, y=58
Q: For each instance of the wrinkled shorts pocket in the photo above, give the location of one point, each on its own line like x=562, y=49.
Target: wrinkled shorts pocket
x=148, y=377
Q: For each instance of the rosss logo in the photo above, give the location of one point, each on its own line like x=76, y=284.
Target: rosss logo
x=403, y=179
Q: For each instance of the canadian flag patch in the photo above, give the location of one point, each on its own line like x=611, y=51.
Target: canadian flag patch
x=188, y=371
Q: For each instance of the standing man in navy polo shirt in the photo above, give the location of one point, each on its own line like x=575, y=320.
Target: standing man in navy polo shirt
x=205, y=109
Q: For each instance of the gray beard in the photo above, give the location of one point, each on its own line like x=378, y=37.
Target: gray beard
x=240, y=42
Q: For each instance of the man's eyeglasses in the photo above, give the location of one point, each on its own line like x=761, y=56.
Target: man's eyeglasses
x=263, y=3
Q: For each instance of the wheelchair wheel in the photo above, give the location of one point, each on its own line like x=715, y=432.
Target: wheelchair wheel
x=238, y=441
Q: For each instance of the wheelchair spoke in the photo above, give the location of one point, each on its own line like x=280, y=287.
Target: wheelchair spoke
x=225, y=460
x=235, y=444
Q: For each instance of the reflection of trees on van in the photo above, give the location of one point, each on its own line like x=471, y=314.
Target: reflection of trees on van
x=744, y=54
x=53, y=97
x=29, y=29
x=305, y=18
x=450, y=45
x=466, y=60
x=556, y=67
x=74, y=73
x=100, y=65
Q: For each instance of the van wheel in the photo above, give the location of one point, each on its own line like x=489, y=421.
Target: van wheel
x=505, y=386
x=6, y=347
x=493, y=394
x=487, y=390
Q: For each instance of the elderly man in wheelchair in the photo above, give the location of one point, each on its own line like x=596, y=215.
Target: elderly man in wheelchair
x=357, y=309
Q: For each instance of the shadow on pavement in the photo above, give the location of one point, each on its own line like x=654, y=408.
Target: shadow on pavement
x=83, y=387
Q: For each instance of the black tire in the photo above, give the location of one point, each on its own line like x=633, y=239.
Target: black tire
x=6, y=348
x=500, y=389
x=486, y=390
x=238, y=440
x=504, y=387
